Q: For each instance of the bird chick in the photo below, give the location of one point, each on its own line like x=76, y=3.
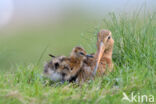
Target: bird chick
x=77, y=57
x=57, y=69
x=66, y=68
x=103, y=55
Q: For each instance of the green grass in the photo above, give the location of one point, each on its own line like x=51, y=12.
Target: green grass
x=134, y=59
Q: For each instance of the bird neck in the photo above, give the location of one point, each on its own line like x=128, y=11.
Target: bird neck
x=107, y=54
x=75, y=60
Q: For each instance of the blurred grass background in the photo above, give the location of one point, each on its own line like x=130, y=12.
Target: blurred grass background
x=32, y=45
x=55, y=27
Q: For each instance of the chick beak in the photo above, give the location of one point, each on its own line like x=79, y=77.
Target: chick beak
x=100, y=53
x=89, y=56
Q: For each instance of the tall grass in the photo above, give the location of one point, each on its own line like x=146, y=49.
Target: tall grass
x=134, y=57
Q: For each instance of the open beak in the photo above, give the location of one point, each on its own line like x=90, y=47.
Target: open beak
x=100, y=53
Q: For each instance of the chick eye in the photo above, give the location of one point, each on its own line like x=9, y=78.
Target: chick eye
x=81, y=53
x=56, y=65
x=109, y=37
